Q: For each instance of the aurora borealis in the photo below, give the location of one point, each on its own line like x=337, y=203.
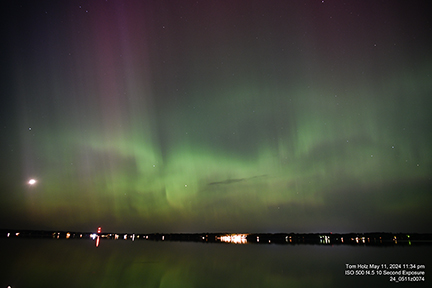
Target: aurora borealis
x=191, y=116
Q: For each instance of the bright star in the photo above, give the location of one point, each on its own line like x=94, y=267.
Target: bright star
x=32, y=181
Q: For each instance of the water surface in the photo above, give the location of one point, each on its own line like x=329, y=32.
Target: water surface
x=78, y=263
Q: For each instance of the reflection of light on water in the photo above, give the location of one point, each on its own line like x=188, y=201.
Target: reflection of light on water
x=97, y=241
x=234, y=238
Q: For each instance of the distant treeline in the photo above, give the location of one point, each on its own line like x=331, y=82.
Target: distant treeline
x=375, y=238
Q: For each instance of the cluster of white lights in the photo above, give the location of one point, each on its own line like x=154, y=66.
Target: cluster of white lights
x=324, y=239
x=234, y=238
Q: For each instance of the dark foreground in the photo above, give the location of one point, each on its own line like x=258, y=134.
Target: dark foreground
x=48, y=262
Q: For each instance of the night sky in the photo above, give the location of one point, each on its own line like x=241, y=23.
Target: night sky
x=236, y=116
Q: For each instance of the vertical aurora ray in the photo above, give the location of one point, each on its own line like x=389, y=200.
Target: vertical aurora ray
x=159, y=117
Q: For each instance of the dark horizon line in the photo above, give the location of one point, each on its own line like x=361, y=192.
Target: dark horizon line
x=221, y=233
x=375, y=238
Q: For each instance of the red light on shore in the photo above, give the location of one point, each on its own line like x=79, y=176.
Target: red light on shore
x=99, y=230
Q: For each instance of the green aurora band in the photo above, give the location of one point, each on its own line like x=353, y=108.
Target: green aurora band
x=151, y=124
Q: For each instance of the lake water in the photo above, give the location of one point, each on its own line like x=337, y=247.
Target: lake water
x=122, y=263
